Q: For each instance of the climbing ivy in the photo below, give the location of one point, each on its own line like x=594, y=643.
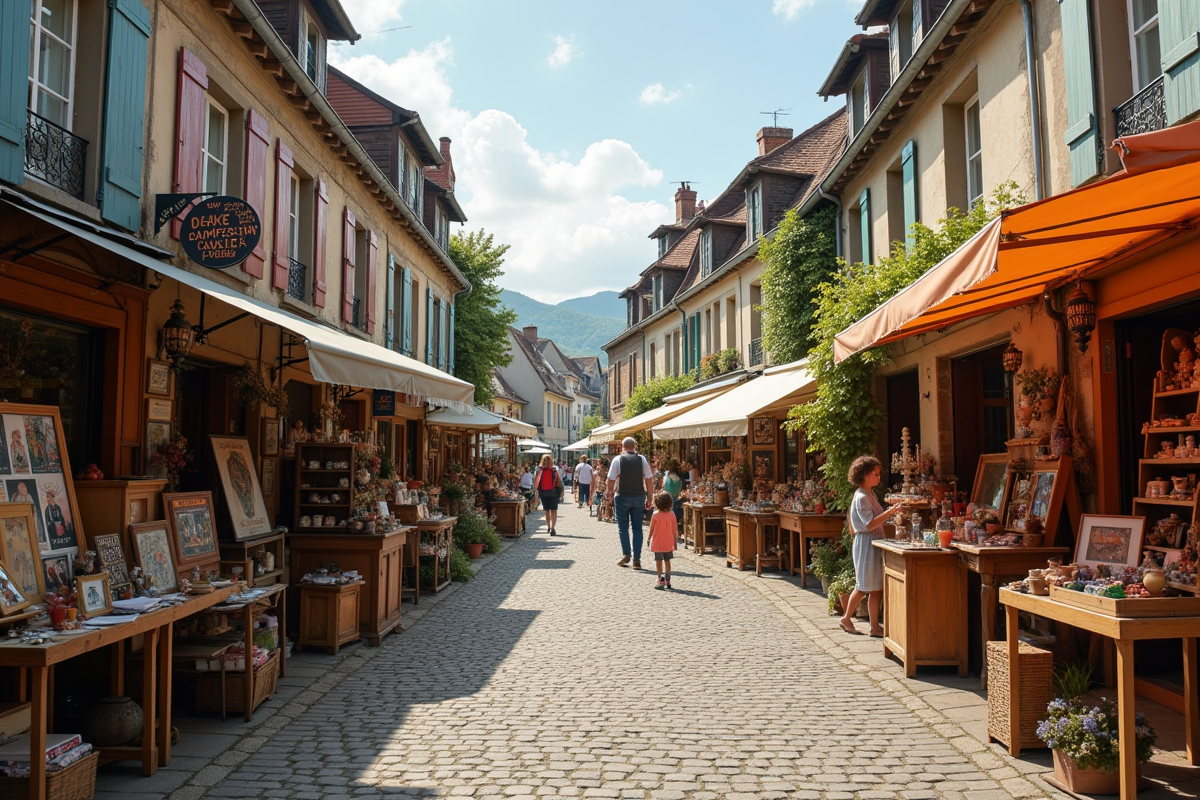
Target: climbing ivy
x=799, y=258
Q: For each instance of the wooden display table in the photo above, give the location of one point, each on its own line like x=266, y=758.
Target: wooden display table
x=749, y=535
x=925, y=593
x=1124, y=631
x=329, y=614
x=272, y=596
x=438, y=534
x=510, y=517
x=803, y=528
x=376, y=557
x=700, y=514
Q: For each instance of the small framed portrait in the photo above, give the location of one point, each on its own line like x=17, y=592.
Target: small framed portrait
x=12, y=598
x=152, y=552
x=158, y=409
x=158, y=378
x=764, y=430
x=270, y=438
x=1112, y=540
x=19, y=547
x=56, y=572
x=193, y=529
x=112, y=559
x=156, y=434
x=93, y=594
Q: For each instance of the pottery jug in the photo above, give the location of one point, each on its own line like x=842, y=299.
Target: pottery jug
x=1155, y=581
x=112, y=721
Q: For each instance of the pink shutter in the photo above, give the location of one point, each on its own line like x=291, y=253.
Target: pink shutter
x=189, y=128
x=348, y=265
x=258, y=145
x=372, y=261
x=319, y=236
x=283, y=204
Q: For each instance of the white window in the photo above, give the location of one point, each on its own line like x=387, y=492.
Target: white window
x=858, y=104
x=215, y=154
x=1143, y=40
x=974, y=153
x=294, y=220
x=662, y=246
x=52, y=59
x=705, y=251
x=754, y=209
x=414, y=180
x=658, y=292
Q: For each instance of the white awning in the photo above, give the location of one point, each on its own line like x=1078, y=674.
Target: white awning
x=536, y=451
x=729, y=414
x=582, y=444
x=532, y=443
x=648, y=419
x=514, y=427
x=479, y=420
x=333, y=356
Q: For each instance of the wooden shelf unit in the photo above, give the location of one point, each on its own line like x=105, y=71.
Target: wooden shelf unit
x=323, y=482
x=242, y=554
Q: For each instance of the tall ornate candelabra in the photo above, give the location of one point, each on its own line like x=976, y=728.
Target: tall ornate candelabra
x=906, y=463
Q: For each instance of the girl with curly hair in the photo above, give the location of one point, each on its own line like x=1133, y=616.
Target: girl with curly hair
x=867, y=516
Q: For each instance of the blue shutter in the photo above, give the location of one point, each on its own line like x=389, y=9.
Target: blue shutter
x=1179, y=42
x=124, y=114
x=406, y=300
x=441, y=338
x=864, y=224
x=696, y=340
x=1082, y=133
x=389, y=314
x=14, y=87
x=429, y=325
x=451, y=337
x=683, y=347
x=908, y=161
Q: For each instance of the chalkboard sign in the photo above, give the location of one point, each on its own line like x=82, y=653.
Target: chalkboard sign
x=220, y=232
x=383, y=403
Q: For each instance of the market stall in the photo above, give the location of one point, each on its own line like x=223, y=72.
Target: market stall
x=925, y=594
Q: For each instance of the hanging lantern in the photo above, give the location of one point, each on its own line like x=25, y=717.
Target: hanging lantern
x=178, y=335
x=1012, y=358
x=1081, y=317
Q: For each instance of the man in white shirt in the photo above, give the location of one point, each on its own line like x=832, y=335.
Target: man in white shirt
x=527, y=486
x=630, y=487
x=583, y=482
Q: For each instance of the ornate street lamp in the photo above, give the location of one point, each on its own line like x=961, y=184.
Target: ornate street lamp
x=178, y=335
x=1081, y=317
x=1012, y=358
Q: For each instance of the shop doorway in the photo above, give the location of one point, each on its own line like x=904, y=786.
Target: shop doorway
x=983, y=411
x=903, y=411
x=206, y=408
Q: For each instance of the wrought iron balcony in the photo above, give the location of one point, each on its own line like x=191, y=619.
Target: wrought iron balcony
x=55, y=155
x=297, y=280
x=756, y=352
x=1144, y=112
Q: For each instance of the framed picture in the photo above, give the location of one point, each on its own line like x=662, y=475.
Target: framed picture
x=270, y=438
x=764, y=430
x=158, y=409
x=764, y=464
x=158, y=377
x=19, y=548
x=1116, y=541
x=235, y=465
x=991, y=482
x=152, y=552
x=34, y=469
x=156, y=434
x=57, y=572
x=93, y=595
x=12, y=599
x=719, y=443
x=268, y=476
x=193, y=530
x=112, y=559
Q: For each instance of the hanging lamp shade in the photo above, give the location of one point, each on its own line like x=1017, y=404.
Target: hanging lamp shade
x=1012, y=358
x=1081, y=317
x=178, y=335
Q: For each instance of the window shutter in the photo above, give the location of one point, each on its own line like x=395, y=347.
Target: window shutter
x=321, y=220
x=14, y=87
x=189, y=127
x=429, y=325
x=348, y=265
x=696, y=339
x=451, y=338
x=1179, y=38
x=372, y=265
x=389, y=311
x=441, y=339
x=1081, y=135
x=908, y=163
x=406, y=300
x=687, y=354
x=893, y=50
x=258, y=148
x=864, y=223
x=283, y=205
x=124, y=114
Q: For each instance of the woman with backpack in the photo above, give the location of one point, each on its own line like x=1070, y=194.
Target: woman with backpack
x=548, y=483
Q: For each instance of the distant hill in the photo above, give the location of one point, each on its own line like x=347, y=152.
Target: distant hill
x=576, y=333
x=600, y=304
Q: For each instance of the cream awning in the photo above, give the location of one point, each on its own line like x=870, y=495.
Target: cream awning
x=675, y=405
x=534, y=443
x=514, y=427
x=729, y=413
x=577, y=447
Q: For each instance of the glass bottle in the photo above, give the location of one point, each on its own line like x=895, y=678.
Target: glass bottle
x=918, y=537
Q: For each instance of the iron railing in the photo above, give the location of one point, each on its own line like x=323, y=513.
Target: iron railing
x=1146, y=111
x=55, y=155
x=297, y=280
x=756, y=352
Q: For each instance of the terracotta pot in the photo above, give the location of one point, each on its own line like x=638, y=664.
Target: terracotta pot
x=113, y=721
x=945, y=538
x=58, y=615
x=1084, y=781
x=474, y=550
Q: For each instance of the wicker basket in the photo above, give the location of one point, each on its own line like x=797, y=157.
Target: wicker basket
x=208, y=687
x=1037, y=690
x=76, y=782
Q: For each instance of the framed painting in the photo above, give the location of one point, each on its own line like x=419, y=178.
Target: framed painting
x=1112, y=540
x=57, y=572
x=247, y=510
x=93, y=595
x=158, y=409
x=37, y=472
x=152, y=552
x=158, y=377
x=12, y=598
x=112, y=559
x=193, y=529
x=991, y=482
x=764, y=464
x=764, y=430
x=270, y=438
x=156, y=434
x=19, y=548
x=268, y=476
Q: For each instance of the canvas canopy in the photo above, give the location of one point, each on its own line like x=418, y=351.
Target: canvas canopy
x=728, y=414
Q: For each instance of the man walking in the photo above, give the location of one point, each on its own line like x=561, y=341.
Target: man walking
x=632, y=480
x=583, y=482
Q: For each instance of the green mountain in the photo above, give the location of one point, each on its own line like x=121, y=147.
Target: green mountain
x=600, y=304
x=576, y=333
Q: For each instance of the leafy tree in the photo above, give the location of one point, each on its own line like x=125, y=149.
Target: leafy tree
x=590, y=423
x=480, y=322
x=799, y=258
x=650, y=395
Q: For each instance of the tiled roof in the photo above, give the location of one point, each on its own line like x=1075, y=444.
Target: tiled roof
x=846, y=66
x=540, y=365
x=680, y=255
x=663, y=230
x=808, y=153
x=501, y=389
x=735, y=217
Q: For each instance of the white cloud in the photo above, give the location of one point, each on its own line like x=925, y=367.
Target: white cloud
x=656, y=93
x=788, y=9
x=571, y=228
x=369, y=16
x=564, y=51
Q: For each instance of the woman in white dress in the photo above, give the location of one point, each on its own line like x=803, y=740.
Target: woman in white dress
x=867, y=516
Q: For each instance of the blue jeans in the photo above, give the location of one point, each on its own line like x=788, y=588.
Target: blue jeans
x=583, y=494
x=630, y=510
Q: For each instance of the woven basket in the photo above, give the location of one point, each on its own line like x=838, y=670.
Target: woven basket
x=76, y=782
x=208, y=687
x=1036, y=689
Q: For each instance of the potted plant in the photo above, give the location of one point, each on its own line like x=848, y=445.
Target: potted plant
x=474, y=533
x=1084, y=741
x=841, y=586
x=826, y=563
x=1040, y=385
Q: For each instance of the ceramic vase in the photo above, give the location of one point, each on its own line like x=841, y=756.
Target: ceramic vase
x=112, y=721
x=1155, y=581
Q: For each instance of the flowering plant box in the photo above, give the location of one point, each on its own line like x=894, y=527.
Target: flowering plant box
x=1129, y=607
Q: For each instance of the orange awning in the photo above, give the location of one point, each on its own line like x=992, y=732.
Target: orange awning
x=1041, y=246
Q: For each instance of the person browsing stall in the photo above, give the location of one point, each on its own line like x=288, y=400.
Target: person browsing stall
x=867, y=516
x=630, y=486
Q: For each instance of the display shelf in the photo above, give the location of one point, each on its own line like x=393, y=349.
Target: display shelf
x=323, y=481
x=1178, y=392
x=1173, y=429
x=1165, y=501
x=1150, y=461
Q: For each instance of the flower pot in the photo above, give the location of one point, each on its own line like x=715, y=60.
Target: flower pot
x=58, y=615
x=474, y=550
x=1084, y=781
x=945, y=538
x=113, y=721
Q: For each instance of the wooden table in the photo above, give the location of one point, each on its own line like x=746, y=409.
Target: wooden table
x=274, y=595
x=1124, y=631
x=747, y=534
x=925, y=593
x=439, y=533
x=700, y=512
x=803, y=528
x=510, y=517
x=156, y=628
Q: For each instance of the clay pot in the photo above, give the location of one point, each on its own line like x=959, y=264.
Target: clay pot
x=112, y=721
x=945, y=538
x=1084, y=781
x=474, y=550
x=1155, y=581
x=58, y=615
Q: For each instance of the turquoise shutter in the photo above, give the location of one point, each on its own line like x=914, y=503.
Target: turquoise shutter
x=908, y=161
x=1179, y=40
x=696, y=340
x=440, y=354
x=1082, y=133
x=389, y=314
x=864, y=224
x=406, y=300
x=687, y=354
x=429, y=325
x=14, y=87
x=124, y=114
x=451, y=337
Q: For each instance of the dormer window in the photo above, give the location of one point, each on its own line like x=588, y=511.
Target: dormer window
x=658, y=291
x=705, y=251
x=754, y=212
x=900, y=38
x=411, y=180
x=858, y=103
x=662, y=246
x=312, y=51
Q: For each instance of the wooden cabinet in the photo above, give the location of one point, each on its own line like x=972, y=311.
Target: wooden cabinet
x=111, y=506
x=800, y=529
x=925, y=602
x=752, y=538
x=376, y=557
x=324, y=481
x=510, y=517
x=329, y=615
x=267, y=551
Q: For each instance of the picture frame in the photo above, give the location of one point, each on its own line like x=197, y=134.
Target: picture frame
x=93, y=595
x=12, y=599
x=19, y=548
x=156, y=434
x=1112, y=540
x=268, y=476
x=270, y=438
x=248, y=513
x=764, y=431
x=763, y=459
x=159, y=378
x=192, y=525
x=153, y=553
x=35, y=469
x=991, y=485
x=159, y=409
x=111, y=556
x=57, y=572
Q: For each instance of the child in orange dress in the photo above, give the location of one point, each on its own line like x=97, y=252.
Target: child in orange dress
x=663, y=532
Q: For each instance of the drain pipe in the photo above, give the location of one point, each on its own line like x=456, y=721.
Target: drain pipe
x=837, y=225
x=1035, y=109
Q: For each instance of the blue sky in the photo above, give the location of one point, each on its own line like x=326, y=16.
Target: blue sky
x=570, y=119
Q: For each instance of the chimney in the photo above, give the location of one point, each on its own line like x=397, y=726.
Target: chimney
x=530, y=332
x=770, y=138
x=685, y=203
x=449, y=168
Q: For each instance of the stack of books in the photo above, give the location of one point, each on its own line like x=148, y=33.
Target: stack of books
x=62, y=750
